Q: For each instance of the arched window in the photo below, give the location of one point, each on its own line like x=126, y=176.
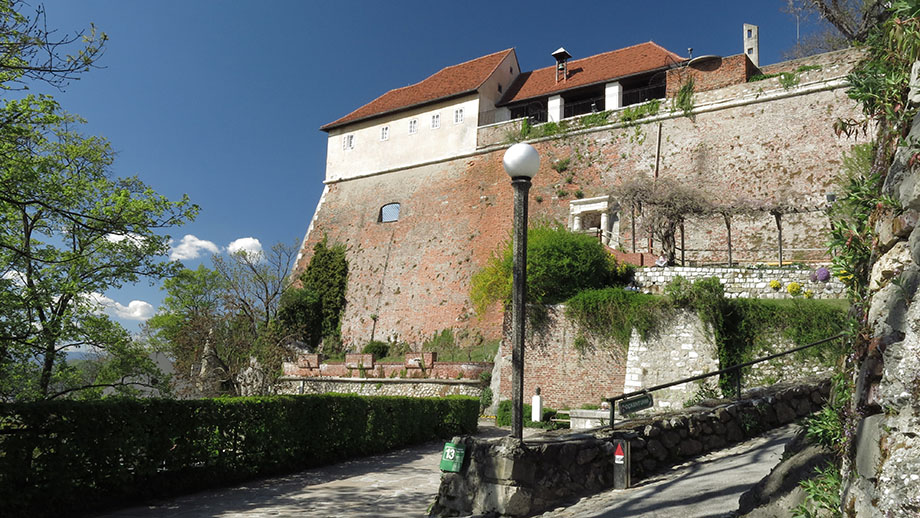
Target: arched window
x=389, y=212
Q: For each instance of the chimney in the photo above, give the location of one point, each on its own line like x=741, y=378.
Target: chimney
x=561, y=66
x=752, y=43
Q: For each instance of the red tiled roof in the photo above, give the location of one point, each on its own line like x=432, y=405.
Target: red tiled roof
x=448, y=82
x=595, y=69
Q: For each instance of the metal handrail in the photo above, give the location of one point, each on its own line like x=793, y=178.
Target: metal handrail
x=739, y=366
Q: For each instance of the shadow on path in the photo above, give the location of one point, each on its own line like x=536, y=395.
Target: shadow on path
x=401, y=483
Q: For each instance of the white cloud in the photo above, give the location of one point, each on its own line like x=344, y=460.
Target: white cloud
x=118, y=238
x=191, y=247
x=13, y=275
x=135, y=310
x=250, y=245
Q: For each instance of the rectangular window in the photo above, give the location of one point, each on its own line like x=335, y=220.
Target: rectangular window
x=348, y=142
x=413, y=126
x=436, y=121
x=749, y=33
x=458, y=115
x=751, y=50
x=385, y=133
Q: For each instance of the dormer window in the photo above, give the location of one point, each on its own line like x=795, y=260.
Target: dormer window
x=348, y=142
x=389, y=213
x=413, y=126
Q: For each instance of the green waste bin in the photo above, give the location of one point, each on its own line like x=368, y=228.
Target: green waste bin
x=452, y=457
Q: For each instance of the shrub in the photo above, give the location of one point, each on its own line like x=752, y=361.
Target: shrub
x=123, y=450
x=377, y=348
x=559, y=264
x=503, y=416
x=485, y=399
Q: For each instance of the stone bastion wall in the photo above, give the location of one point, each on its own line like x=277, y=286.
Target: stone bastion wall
x=410, y=278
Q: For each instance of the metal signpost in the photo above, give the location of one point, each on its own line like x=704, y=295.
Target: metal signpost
x=621, y=464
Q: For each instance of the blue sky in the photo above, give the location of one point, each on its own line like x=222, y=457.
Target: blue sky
x=222, y=100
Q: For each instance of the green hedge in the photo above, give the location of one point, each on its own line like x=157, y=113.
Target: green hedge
x=58, y=457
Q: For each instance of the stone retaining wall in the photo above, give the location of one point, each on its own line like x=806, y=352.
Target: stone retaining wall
x=515, y=478
x=742, y=282
x=380, y=387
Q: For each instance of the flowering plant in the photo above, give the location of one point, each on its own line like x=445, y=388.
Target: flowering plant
x=775, y=284
x=809, y=294
x=794, y=288
x=823, y=274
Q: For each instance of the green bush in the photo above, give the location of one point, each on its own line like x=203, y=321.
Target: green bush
x=60, y=457
x=559, y=264
x=503, y=416
x=614, y=313
x=377, y=348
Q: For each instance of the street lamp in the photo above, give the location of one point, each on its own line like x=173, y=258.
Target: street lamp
x=521, y=162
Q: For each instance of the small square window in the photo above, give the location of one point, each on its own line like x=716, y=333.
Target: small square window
x=436, y=121
x=458, y=115
x=348, y=142
x=413, y=126
x=751, y=50
x=385, y=133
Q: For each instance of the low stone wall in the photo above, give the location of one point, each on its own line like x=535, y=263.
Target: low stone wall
x=523, y=478
x=380, y=387
x=742, y=282
x=415, y=366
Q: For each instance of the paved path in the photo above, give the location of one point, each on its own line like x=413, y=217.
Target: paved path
x=403, y=484
x=708, y=487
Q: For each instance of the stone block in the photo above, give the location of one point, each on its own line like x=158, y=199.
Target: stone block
x=690, y=447
x=868, y=435
x=784, y=413
x=503, y=499
x=657, y=450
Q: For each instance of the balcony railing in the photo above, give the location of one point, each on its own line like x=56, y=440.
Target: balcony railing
x=583, y=107
x=641, y=95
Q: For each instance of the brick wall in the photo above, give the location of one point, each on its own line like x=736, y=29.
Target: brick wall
x=415, y=273
x=711, y=74
x=566, y=377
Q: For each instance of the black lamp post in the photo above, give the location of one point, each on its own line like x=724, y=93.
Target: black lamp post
x=521, y=162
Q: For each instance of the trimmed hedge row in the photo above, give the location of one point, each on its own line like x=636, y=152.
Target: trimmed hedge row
x=60, y=456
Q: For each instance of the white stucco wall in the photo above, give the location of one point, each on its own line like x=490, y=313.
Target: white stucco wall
x=401, y=149
x=504, y=75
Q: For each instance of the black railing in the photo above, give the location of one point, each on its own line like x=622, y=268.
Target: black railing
x=735, y=369
x=641, y=95
x=583, y=107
